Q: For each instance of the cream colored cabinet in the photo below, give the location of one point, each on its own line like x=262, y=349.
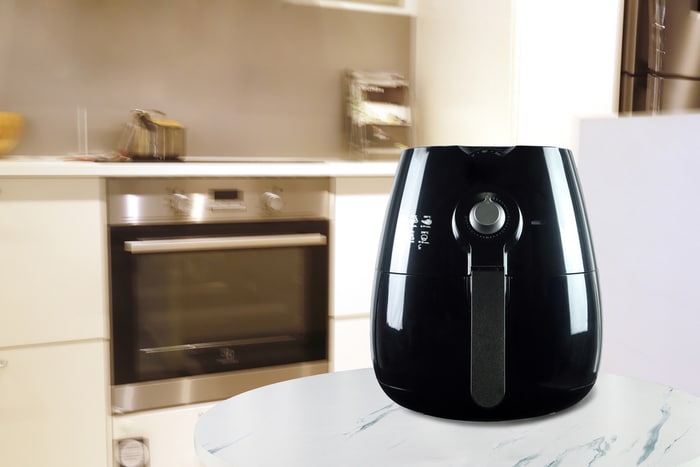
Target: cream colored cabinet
x=358, y=218
x=53, y=405
x=54, y=371
x=53, y=255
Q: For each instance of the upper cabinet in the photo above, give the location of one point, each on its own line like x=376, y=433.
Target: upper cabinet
x=392, y=7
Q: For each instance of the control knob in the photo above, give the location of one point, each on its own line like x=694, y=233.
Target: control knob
x=180, y=202
x=487, y=216
x=272, y=201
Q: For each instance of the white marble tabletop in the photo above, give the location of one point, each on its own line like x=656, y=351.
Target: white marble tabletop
x=344, y=419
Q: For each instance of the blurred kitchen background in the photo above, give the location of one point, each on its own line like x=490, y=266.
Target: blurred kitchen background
x=264, y=78
x=246, y=77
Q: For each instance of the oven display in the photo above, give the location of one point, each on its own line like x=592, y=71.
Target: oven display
x=227, y=195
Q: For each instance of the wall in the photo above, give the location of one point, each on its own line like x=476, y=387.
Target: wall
x=463, y=72
x=514, y=71
x=246, y=77
x=568, y=62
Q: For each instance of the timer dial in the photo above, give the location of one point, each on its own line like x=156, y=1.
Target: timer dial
x=487, y=216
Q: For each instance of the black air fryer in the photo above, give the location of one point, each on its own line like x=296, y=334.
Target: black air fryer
x=486, y=301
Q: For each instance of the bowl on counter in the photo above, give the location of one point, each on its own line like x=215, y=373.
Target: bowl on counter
x=11, y=127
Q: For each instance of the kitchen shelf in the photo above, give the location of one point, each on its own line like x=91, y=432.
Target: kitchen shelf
x=391, y=7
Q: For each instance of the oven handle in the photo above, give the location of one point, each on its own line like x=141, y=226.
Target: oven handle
x=223, y=243
x=213, y=345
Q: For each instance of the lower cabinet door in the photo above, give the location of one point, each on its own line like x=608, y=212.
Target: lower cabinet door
x=54, y=405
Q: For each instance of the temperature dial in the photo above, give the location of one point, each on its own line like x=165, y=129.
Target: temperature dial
x=487, y=217
x=272, y=201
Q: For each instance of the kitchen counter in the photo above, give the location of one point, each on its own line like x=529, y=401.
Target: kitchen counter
x=344, y=419
x=50, y=166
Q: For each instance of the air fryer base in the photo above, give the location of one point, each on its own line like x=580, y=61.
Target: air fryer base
x=546, y=402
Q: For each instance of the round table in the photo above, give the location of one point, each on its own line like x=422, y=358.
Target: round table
x=344, y=419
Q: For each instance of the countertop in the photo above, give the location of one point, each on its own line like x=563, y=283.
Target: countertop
x=344, y=419
x=50, y=166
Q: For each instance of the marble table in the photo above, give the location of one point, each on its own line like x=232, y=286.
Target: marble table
x=344, y=419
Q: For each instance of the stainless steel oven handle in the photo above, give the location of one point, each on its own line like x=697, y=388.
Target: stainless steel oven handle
x=213, y=345
x=224, y=243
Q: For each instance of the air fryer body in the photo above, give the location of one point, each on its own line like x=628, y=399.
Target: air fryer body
x=486, y=303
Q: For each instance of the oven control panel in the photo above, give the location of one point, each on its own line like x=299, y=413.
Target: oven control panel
x=194, y=200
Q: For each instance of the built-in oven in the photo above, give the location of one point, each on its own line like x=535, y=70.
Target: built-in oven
x=218, y=285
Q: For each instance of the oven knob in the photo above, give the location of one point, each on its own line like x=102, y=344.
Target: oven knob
x=272, y=201
x=180, y=202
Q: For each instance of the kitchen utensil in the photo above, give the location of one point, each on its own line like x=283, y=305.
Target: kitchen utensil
x=486, y=294
x=151, y=136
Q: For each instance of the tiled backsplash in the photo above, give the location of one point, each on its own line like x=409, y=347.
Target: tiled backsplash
x=246, y=77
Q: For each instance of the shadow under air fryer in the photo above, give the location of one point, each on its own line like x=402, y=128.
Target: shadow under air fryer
x=486, y=302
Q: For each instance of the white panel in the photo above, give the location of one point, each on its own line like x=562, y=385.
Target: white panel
x=53, y=405
x=639, y=178
x=350, y=344
x=169, y=433
x=567, y=66
x=53, y=279
x=360, y=207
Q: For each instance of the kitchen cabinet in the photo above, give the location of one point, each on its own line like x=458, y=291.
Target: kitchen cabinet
x=166, y=432
x=358, y=218
x=54, y=405
x=53, y=250
x=54, y=371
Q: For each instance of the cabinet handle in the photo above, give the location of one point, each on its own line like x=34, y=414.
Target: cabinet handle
x=3, y=363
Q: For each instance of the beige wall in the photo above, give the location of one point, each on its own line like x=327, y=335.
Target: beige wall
x=514, y=71
x=247, y=77
x=464, y=71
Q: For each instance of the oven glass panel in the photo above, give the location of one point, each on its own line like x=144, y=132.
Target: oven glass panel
x=198, y=312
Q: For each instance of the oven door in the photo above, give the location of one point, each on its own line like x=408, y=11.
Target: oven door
x=210, y=299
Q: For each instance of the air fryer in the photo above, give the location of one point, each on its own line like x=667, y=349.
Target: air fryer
x=486, y=302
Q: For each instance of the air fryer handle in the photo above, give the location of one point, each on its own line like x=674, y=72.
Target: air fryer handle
x=487, y=383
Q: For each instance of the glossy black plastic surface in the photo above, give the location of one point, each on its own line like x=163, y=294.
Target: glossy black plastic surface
x=495, y=326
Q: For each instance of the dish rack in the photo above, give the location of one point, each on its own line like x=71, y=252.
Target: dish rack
x=378, y=113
